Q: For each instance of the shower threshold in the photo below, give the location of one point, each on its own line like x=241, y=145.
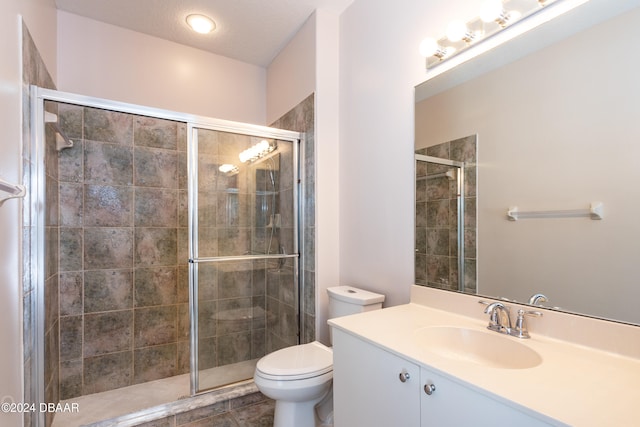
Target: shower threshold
x=139, y=403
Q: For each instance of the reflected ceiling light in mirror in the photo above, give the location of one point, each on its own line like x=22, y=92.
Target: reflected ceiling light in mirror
x=229, y=169
x=257, y=151
x=200, y=23
x=494, y=18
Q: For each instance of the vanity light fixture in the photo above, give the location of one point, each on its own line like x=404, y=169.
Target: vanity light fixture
x=493, y=17
x=430, y=47
x=200, y=23
x=257, y=151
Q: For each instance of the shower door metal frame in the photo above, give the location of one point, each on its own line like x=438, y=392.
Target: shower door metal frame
x=194, y=259
x=460, y=204
x=36, y=193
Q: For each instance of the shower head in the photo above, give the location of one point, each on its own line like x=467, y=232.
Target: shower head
x=450, y=174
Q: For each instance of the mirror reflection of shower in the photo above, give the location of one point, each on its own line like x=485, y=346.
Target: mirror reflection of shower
x=439, y=244
x=445, y=214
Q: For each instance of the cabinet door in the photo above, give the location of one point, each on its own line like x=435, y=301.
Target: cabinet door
x=452, y=404
x=367, y=388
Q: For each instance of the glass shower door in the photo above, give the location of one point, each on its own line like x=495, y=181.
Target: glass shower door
x=243, y=199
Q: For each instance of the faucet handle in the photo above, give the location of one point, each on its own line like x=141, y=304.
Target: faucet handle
x=520, y=330
x=529, y=313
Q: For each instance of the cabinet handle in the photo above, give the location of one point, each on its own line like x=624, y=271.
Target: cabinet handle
x=429, y=389
x=404, y=376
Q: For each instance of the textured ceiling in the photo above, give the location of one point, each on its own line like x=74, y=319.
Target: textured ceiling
x=252, y=31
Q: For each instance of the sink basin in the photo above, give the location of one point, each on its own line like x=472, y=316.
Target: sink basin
x=486, y=348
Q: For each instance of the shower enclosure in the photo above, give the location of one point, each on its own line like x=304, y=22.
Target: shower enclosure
x=161, y=244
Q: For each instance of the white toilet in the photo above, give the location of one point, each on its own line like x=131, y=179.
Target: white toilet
x=299, y=378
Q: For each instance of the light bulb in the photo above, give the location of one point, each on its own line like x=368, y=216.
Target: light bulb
x=456, y=31
x=428, y=47
x=200, y=23
x=514, y=15
x=491, y=10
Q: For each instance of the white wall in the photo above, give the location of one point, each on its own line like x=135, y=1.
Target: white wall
x=106, y=61
x=379, y=66
x=309, y=64
x=328, y=258
x=39, y=15
x=557, y=130
x=291, y=76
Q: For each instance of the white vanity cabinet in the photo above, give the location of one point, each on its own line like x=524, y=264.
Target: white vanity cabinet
x=453, y=404
x=375, y=388
x=367, y=388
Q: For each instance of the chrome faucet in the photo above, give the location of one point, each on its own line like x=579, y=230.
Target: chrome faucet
x=536, y=299
x=499, y=318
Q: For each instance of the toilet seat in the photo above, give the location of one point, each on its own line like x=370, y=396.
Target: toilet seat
x=296, y=362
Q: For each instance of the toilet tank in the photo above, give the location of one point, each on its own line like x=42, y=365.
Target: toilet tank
x=345, y=300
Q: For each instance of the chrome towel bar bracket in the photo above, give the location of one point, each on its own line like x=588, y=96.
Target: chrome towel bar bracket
x=11, y=191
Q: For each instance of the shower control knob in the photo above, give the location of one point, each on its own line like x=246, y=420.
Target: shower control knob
x=429, y=389
x=404, y=376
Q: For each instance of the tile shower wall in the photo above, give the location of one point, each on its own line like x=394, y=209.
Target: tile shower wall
x=302, y=119
x=35, y=72
x=123, y=283
x=436, y=260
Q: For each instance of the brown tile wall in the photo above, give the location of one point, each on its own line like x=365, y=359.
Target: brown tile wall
x=123, y=282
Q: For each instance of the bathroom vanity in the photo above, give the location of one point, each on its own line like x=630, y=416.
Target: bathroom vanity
x=425, y=364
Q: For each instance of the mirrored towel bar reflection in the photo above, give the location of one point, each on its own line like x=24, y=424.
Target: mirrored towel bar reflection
x=594, y=212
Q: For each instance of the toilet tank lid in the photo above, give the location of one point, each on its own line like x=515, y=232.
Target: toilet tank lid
x=355, y=295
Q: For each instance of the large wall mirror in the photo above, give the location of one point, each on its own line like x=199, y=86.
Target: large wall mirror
x=557, y=127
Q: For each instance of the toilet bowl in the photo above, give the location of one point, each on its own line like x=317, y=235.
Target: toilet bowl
x=297, y=378
x=300, y=378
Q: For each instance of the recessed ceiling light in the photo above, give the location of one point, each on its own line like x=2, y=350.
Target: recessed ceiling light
x=201, y=24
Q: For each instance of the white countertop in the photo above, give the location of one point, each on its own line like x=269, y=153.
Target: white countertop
x=575, y=385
